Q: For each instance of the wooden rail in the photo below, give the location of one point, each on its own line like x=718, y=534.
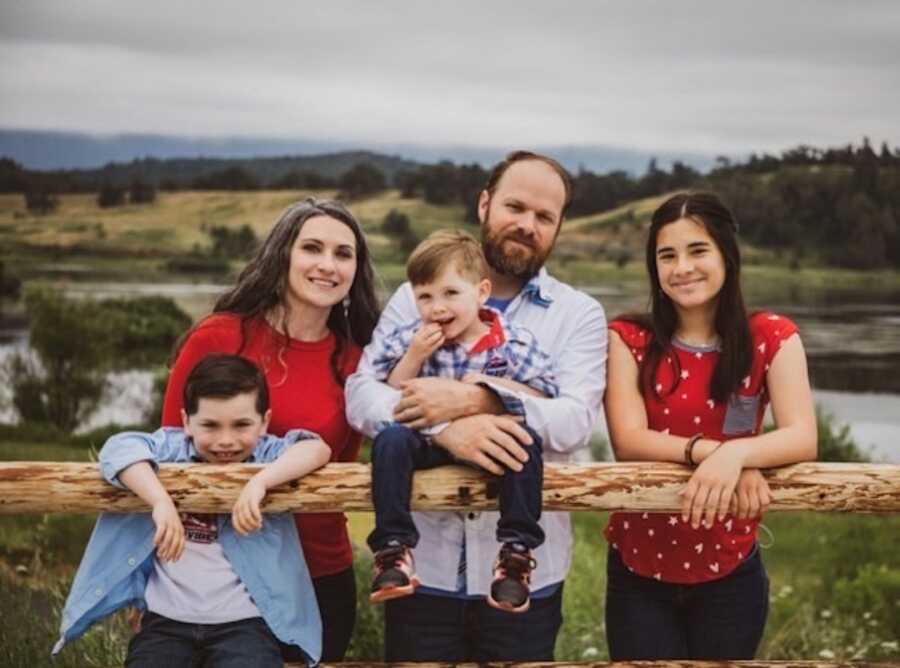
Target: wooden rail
x=46, y=487
x=614, y=664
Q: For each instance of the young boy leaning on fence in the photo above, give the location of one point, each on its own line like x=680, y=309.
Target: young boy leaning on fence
x=457, y=337
x=220, y=589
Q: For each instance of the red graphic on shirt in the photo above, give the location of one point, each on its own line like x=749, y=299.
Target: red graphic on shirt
x=200, y=528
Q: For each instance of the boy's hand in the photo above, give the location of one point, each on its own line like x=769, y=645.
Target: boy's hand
x=246, y=516
x=428, y=338
x=169, y=536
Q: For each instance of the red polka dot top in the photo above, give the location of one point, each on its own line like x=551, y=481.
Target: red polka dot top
x=660, y=545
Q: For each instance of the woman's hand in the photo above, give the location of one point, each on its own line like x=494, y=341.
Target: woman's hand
x=246, y=516
x=169, y=536
x=709, y=491
x=752, y=496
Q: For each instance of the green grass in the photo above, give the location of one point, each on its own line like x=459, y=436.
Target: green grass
x=835, y=585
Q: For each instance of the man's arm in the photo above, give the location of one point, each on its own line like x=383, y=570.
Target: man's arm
x=564, y=423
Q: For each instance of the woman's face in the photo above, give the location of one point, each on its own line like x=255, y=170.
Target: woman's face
x=323, y=263
x=689, y=264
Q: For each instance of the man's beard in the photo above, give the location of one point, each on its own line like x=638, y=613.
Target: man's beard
x=512, y=261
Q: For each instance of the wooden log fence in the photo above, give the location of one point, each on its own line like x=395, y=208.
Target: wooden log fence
x=48, y=487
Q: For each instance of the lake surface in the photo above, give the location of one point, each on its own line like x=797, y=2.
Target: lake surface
x=852, y=340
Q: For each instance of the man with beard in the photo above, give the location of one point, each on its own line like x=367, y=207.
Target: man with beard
x=521, y=210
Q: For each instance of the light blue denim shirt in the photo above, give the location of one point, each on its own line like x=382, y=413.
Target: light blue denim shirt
x=119, y=557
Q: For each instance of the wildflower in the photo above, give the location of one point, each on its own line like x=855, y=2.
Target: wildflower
x=826, y=654
x=867, y=615
x=825, y=614
x=590, y=653
x=890, y=645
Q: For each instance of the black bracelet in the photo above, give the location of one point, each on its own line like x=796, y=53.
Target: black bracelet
x=689, y=449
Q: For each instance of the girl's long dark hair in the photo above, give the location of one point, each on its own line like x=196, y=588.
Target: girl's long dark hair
x=263, y=284
x=731, y=322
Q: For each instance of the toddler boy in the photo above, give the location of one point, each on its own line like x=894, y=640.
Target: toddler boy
x=456, y=337
x=217, y=589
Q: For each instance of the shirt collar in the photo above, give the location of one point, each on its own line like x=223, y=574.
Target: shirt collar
x=495, y=336
x=535, y=290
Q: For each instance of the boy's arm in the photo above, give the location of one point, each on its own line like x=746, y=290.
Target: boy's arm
x=425, y=341
x=295, y=462
x=511, y=385
x=141, y=479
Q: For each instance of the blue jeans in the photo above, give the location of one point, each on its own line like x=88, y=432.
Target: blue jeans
x=398, y=451
x=247, y=643
x=718, y=620
x=425, y=627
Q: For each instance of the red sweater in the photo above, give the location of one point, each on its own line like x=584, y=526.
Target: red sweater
x=303, y=394
x=661, y=546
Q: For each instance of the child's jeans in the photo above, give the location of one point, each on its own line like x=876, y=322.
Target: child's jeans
x=246, y=643
x=398, y=451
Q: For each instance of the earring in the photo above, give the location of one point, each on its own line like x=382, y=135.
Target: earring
x=346, y=304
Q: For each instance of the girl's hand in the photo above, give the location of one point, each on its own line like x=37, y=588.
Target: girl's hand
x=709, y=491
x=428, y=338
x=169, y=536
x=752, y=495
x=246, y=516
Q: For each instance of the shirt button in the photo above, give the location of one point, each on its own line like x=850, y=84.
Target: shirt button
x=98, y=591
x=471, y=516
x=132, y=561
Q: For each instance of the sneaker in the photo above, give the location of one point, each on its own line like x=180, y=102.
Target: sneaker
x=395, y=573
x=512, y=576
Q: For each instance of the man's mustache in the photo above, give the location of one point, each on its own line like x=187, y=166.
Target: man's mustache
x=520, y=238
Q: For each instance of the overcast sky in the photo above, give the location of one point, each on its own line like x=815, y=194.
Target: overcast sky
x=669, y=75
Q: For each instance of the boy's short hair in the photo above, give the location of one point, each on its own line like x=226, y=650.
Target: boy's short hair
x=442, y=248
x=222, y=376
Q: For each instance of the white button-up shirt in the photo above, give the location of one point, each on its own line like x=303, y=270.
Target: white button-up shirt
x=571, y=327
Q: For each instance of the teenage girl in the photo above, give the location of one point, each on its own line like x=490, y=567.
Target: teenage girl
x=689, y=382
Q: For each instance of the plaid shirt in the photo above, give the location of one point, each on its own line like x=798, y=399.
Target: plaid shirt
x=504, y=351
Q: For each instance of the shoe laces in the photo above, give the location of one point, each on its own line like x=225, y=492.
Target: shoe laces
x=515, y=564
x=388, y=557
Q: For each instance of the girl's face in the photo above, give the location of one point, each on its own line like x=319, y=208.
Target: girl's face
x=689, y=264
x=323, y=263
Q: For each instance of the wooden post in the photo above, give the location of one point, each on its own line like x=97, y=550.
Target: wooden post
x=46, y=487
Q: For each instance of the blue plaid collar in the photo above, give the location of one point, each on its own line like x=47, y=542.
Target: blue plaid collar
x=535, y=290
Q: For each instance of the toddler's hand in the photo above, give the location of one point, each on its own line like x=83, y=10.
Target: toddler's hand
x=246, y=516
x=428, y=338
x=169, y=536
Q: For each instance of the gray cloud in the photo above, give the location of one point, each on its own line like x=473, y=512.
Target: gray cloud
x=690, y=75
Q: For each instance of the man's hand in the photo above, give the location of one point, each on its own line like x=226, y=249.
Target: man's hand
x=246, y=516
x=169, y=536
x=426, y=402
x=488, y=441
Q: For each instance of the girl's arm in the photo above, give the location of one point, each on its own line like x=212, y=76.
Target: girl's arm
x=141, y=479
x=301, y=458
x=710, y=489
x=626, y=415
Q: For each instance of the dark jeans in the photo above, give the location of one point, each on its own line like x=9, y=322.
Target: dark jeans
x=398, y=451
x=718, y=620
x=424, y=627
x=247, y=643
x=336, y=595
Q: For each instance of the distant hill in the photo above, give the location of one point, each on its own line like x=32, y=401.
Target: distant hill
x=51, y=150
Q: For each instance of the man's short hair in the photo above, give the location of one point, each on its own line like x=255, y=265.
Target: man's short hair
x=445, y=248
x=519, y=156
x=222, y=376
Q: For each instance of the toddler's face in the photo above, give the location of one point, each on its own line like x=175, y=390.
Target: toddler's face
x=453, y=301
x=226, y=430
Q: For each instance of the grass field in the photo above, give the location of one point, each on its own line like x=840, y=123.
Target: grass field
x=835, y=586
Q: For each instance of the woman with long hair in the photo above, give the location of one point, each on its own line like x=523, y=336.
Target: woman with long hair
x=302, y=310
x=689, y=382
